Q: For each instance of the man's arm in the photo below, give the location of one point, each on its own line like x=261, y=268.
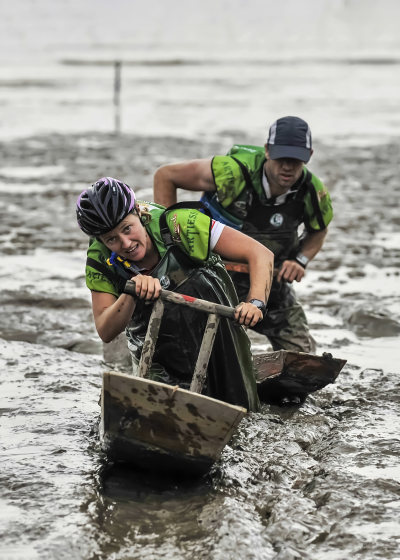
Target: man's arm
x=311, y=245
x=194, y=175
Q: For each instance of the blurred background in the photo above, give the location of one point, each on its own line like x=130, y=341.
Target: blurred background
x=200, y=69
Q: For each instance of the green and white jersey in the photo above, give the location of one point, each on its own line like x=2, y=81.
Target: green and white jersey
x=242, y=169
x=192, y=231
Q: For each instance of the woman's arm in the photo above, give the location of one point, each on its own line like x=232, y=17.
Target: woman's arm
x=236, y=246
x=112, y=315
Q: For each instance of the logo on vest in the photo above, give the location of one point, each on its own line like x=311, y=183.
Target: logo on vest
x=241, y=208
x=276, y=220
x=176, y=236
x=165, y=282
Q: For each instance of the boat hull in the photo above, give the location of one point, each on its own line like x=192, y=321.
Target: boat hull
x=286, y=374
x=160, y=427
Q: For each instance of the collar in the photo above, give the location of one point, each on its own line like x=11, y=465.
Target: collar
x=281, y=199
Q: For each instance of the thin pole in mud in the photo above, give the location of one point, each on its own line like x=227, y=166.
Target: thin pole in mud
x=117, y=96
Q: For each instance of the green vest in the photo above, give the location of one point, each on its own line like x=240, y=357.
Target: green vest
x=241, y=170
x=240, y=194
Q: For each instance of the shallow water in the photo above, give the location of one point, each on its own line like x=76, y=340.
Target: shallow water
x=319, y=482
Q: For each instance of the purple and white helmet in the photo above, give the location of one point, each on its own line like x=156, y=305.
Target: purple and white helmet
x=101, y=207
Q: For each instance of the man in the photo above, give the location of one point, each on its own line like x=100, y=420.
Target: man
x=267, y=193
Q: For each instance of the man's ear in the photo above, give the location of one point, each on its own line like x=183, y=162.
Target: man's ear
x=266, y=151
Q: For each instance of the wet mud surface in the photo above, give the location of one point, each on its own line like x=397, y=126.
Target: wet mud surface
x=317, y=482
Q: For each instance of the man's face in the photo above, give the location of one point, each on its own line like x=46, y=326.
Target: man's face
x=282, y=173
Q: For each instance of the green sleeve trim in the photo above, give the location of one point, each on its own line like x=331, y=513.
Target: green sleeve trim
x=228, y=178
x=96, y=281
x=318, y=206
x=190, y=230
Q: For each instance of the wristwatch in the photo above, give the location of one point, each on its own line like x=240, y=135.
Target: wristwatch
x=302, y=259
x=260, y=304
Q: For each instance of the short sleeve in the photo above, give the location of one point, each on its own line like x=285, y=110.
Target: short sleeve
x=190, y=230
x=216, y=230
x=95, y=280
x=228, y=178
x=318, y=207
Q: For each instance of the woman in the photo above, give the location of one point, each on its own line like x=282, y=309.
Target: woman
x=179, y=248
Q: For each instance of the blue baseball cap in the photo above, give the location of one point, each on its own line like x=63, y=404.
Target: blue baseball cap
x=290, y=137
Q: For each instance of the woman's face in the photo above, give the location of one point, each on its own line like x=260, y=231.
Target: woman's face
x=128, y=239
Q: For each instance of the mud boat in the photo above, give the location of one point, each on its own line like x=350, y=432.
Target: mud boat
x=158, y=426
x=286, y=377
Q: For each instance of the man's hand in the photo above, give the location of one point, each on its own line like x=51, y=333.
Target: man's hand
x=248, y=314
x=290, y=271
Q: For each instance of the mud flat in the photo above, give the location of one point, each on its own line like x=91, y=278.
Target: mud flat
x=317, y=482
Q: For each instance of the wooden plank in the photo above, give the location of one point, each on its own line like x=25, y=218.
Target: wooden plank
x=150, y=340
x=188, y=301
x=200, y=371
x=154, y=425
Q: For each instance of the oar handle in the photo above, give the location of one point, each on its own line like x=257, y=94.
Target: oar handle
x=189, y=301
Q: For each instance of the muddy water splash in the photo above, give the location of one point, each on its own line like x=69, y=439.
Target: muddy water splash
x=318, y=482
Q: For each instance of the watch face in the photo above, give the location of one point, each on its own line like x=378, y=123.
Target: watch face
x=258, y=303
x=302, y=259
